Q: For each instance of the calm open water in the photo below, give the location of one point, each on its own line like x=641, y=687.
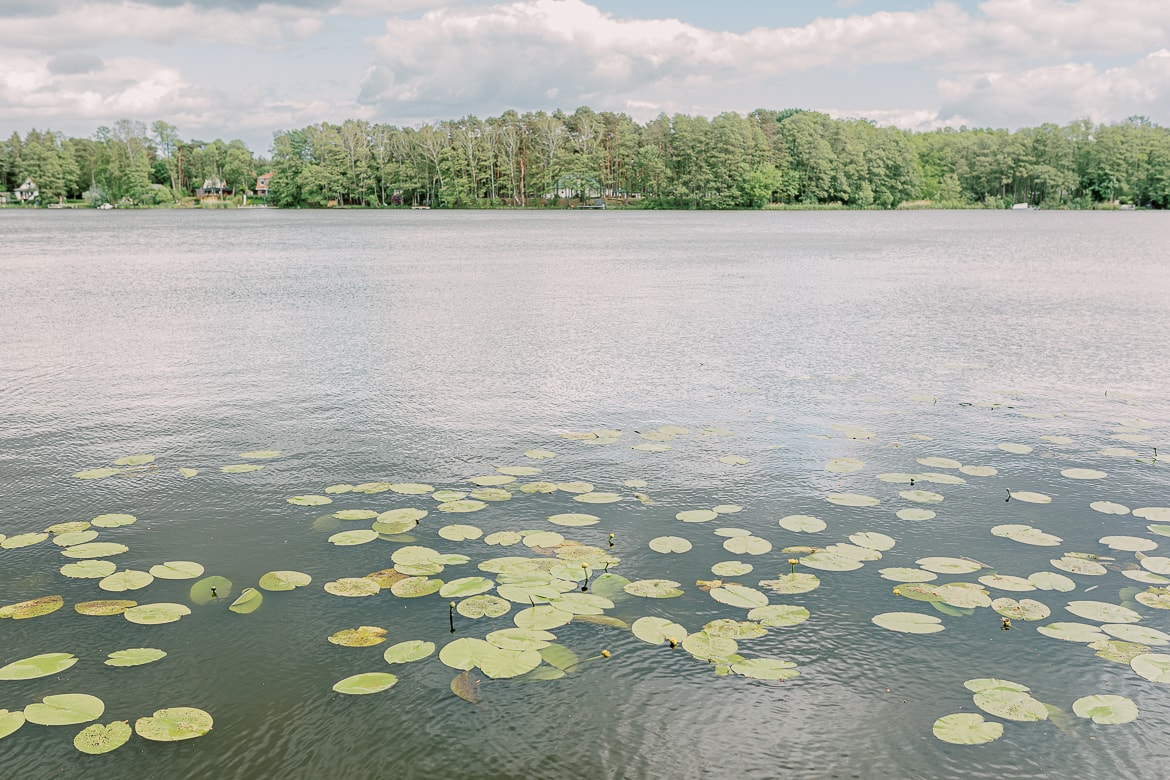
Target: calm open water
x=431, y=347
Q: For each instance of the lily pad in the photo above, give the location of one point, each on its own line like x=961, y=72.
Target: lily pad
x=574, y=519
x=1083, y=474
x=774, y=615
x=248, y=602
x=1103, y=612
x=156, y=614
x=905, y=574
x=1155, y=667
x=915, y=514
x=851, y=499
x=65, y=709
x=697, y=515
x=1011, y=705
x=37, y=666
x=98, y=739
x=176, y=570
x=747, y=545
x=967, y=728
x=921, y=496
x=353, y=587
x=670, y=544
x=482, y=606
x=944, y=565
x=174, y=724
x=409, y=651
x=1078, y=566
x=32, y=608
x=462, y=506
x=10, y=722
x=908, y=622
x=310, y=500
x=90, y=570
x=284, y=580
x=1073, y=632
x=260, y=454
x=126, y=580
x=103, y=608
x=1024, y=609
x=731, y=568
x=240, y=468
x=765, y=669
x=353, y=538
x=739, y=596
x=1106, y=709
x=211, y=589
x=135, y=656
x=94, y=550
x=802, y=524
x=1128, y=543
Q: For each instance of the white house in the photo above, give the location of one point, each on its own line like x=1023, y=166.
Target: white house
x=27, y=192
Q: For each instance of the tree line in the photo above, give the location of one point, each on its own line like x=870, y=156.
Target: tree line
x=538, y=159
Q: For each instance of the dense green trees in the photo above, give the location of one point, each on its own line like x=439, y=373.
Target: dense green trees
x=539, y=159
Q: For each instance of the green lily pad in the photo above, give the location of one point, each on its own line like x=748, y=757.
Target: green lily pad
x=156, y=614
x=904, y=574
x=990, y=683
x=362, y=684
x=412, y=488
x=362, y=636
x=828, y=561
x=94, y=550
x=851, y=499
x=284, y=580
x=103, y=608
x=98, y=739
x=1103, y=612
x=1106, y=709
x=310, y=500
x=65, y=709
x=240, y=468
x=574, y=519
x=1026, y=534
x=1118, y=651
x=415, y=587
x=1083, y=474
x=800, y=582
x=492, y=480
x=211, y=589
x=654, y=589
x=188, y=473
x=32, y=608
x=940, y=463
x=260, y=454
x=100, y=473
x=135, y=656
x=731, y=568
x=921, y=496
x=538, y=487
x=802, y=524
x=460, y=533
x=1073, y=632
x=463, y=505
x=541, y=617
x=90, y=570
x=1010, y=705
x=735, y=629
x=872, y=541
x=915, y=514
x=774, y=615
x=369, y=488
x=1079, y=566
x=967, y=728
x=37, y=666
x=844, y=465
x=707, y=647
x=128, y=579
x=1048, y=580
x=353, y=538
x=670, y=544
x=944, y=565
x=409, y=651
x=765, y=669
x=1155, y=667
x=1030, y=497
x=1024, y=609
x=352, y=587
x=174, y=724
x=598, y=497
x=739, y=596
x=248, y=602
x=544, y=539
x=520, y=639
x=908, y=622
x=697, y=515
x=747, y=545
x=74, y=537
x=491, y=494
x=1149, y=599
x=466, y=586
x=10, y=722
x=176, y=570
x=482, y=606
x=1131, y=633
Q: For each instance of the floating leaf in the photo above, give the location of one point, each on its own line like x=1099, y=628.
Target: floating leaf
x=574, y=519
x=352, y=587
x=37, y=666
x=731, y=568
x=248, y=602
x=1155, y=667
x=362, y=684
x=1132, y=633
x=465, y=688
x=734, y=460
x=1073, y=632
x=284, y=580
x=914, y=514
x=597, y=498
x=903, y=574
x=765, y=669
x=1106, y=709
x=92, y=569
x=94, y=550
x=828, y=561
x=362, y=636
x=461, y=506
x=310, y=500
x=908, y=622
x=1078, y=566
x=32, y=608
x=491, y=494
x=74, y=537
x=126, y=580
x=1103, y=612
x=1026, y=534
x=739, y=596
x=135, y=656
x=707, y=647
x=921, y=496
x=156, y=614
x=482, y=606
x=1128, y=543
x=103, y=608
x=774, y=615
x=1010, y=705
x=65, y=709
x=944, y=565
x=415, y=587
x=539, y=454
x=851, y=499
x=98, y=739
x=747, y=545
x=353, y=538
x=872, y=540
x=210, y=589
x=1014, y=448
x=697, y=515
x=543, y=539
x=97, y=473
x=967, y=728
x=520, y=639
x=409, y=651
x=538, y=487
x=188, y=473
x=1024, y=609
x=844, y=465
x=1007, y=582
x=542, y=617
x=240, y=468
x=802, y=524
x=940, y=463
x=174, y=724
x=411, y=488
x=492, y=480
x=10, y=722
x=670, y=544
x=1083, y=474
x=1047, y=580
x=176, y=570
x=1030, y=497
x=990, y=683
x=259, y=454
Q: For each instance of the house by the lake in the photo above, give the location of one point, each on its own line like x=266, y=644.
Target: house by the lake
x=27, y=192
x=262, y=184
x=212, y=188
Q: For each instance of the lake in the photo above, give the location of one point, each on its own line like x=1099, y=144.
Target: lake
x=770, y=364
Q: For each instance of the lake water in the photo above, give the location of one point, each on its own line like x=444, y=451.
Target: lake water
x=433, y=347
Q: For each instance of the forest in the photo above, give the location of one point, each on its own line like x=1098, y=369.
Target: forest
x=790, y=158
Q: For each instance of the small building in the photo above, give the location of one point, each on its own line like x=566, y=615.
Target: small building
x=262, y=184
x=3, y=198
x=212, y=188
x=27, y=192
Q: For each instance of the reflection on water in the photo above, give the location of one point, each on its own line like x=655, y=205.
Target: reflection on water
x=433, y=347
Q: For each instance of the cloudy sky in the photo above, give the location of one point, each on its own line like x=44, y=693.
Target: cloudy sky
x=243, y=68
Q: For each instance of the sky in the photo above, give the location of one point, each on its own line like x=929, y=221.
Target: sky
x=246, y=68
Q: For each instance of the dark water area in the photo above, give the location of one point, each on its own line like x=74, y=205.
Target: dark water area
x=432, y=347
